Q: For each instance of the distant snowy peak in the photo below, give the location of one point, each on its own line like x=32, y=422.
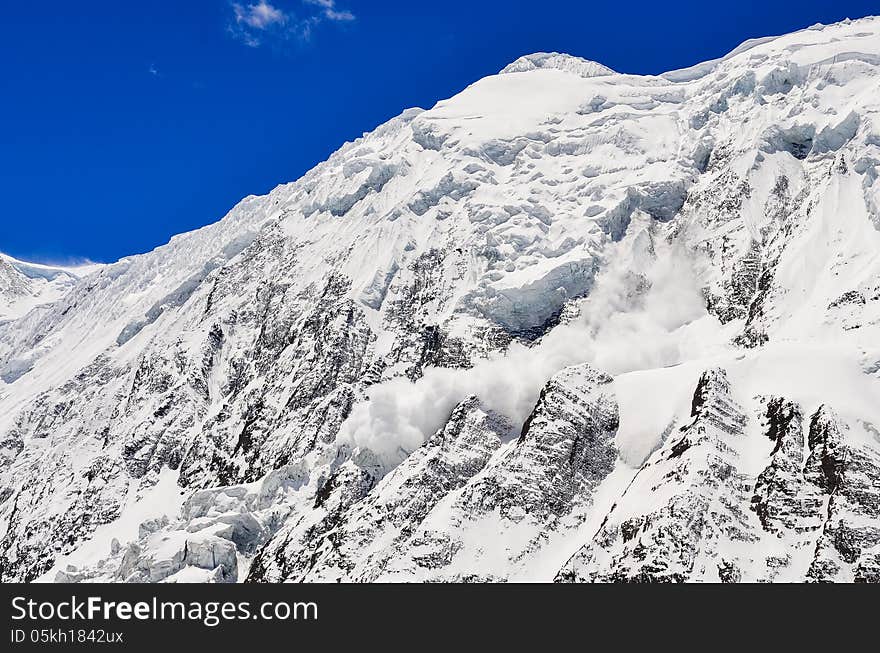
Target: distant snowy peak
x=25, y=285
x=49, y=272
x=566, y=62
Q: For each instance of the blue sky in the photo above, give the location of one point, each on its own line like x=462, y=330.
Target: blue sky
x=124, y=123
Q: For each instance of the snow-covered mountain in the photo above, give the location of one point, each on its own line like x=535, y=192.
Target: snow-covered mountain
x=26, y=285
x=569, y=325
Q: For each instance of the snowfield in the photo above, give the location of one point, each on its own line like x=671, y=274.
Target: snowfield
x=569, y=325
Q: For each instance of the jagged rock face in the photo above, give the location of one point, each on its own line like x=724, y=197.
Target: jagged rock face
x=849, y=475
x=784, y=500
x=357, y=540
x=694, y=512
x=540, y=483
x=420, y=521
x=684, y=507
x=565, y=449
x=630, y=232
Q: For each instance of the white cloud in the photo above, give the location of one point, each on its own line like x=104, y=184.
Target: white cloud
x=252, y=23
x=330, y=11
x=343, y=15
x=257, y=23
x=260, y=16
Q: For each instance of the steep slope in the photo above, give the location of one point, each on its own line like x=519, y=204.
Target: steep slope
x=24, y=286
x=467, y=345
x=696, y=511
x=429, y=518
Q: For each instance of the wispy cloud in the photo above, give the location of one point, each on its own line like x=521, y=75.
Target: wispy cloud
x=329, y=10
x=255, y=24
x=153, y=70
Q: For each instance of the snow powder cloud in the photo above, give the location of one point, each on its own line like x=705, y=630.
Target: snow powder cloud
x=625, y=324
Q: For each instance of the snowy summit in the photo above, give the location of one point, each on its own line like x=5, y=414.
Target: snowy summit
x=557, y=61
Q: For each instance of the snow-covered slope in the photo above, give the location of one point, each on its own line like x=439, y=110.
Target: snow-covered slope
x=24, y=286
x=569, y=324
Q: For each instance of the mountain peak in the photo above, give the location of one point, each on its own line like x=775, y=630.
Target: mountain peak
x=25, y=285
x=566, y=62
